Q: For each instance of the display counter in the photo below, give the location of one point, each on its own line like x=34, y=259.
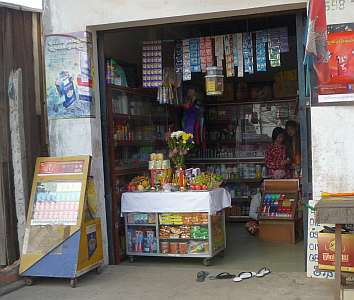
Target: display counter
x=175, y=224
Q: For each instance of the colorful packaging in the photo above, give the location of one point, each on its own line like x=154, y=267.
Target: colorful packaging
x=261, y=56
x=152, y=64
x=248, y=52
x=187, y=73
x=274, y=47
x=326, y=251
x=194, y=53
x=229, y=56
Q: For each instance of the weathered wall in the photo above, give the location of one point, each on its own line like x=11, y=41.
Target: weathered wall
x=332, y=149
x=68, y=16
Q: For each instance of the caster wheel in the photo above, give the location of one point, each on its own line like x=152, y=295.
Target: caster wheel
x=73, y=282
x=98, y=270
x=207, y=262
x=131, y=259
x=29, y=281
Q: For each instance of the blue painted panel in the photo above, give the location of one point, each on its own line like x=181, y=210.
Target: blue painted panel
x=61, y=262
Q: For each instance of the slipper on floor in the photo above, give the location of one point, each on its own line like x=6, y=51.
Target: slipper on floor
x=223, y=275
x=263, y=272
x=243, y=276
x=201, y=276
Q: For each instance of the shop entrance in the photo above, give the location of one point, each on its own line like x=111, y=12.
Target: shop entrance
x=155, y=80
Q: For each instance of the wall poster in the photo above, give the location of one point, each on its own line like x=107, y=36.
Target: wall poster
x=69, y=75
x=336, y=83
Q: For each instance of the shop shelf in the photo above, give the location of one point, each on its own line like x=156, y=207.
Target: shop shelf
x=239, y=218
x=252, y=180
x=225, y=160
x=134, y=143
x=203, y=254
x=183, y=239
x=129, y=171
x=183, y=224
x=143, y=225
x=250, y=102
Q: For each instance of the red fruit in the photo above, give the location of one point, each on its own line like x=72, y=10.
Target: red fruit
x=205, y=187
x=192, y=187
x=198, y=187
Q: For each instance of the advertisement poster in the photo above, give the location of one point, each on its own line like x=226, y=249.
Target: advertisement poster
x=336, y=81
x=69, y=76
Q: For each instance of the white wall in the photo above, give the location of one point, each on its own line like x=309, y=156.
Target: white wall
x=83, y=136
x=69, y=16
x=332, y=149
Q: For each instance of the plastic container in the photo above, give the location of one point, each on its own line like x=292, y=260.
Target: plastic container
x=165, y=247
x=173, y=247
x=214, y=85
x=183, y=248
x=214, y=71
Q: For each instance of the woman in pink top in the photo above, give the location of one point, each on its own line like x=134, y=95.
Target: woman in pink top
x=275, y=156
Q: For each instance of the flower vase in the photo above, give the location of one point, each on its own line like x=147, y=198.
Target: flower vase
x=181, y=178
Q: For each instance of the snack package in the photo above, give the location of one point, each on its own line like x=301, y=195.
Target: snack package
x=196, y=247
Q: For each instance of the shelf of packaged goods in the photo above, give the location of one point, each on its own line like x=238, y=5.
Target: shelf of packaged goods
x=225, y=160
x=130, y=171
x=239, y=218
x=204, y=254
x=261, y=218
x=183, y=224
x=183, y=239
x=126, y=117
x=142, y=225
x=251, y=180
x=145, y=92
x=242, y=198
x=134, y=143
x=253, y=101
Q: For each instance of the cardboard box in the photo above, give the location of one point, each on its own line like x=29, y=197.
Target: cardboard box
x=326, y=251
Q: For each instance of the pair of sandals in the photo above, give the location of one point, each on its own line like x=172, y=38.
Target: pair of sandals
x=202, y=275
x=247, y=275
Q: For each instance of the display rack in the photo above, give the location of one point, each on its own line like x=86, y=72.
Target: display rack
x=280, y=216
x=63, y=236
x=237, y=136
x=136, y=128
x=199, y=235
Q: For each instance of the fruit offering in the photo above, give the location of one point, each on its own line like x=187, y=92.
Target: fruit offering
x=139, y=184
x=206, y=181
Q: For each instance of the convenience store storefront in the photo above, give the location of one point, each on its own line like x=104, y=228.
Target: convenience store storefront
x=87, y=132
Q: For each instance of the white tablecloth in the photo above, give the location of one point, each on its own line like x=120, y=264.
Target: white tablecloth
x=208, y=201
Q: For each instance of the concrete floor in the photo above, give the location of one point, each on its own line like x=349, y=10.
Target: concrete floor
x=154, y=278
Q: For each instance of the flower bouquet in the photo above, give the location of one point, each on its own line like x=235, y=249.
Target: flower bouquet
x=179, y=143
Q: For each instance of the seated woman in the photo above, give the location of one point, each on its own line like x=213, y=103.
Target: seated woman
x=275, y=156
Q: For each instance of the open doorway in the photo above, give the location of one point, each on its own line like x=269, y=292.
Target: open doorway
x=148, y=90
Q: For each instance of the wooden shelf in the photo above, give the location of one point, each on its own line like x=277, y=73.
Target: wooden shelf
x=151, y=92
x=239, y=218
x=129, y=171
x=255, y=101
x=253, y=180
x=225, y=160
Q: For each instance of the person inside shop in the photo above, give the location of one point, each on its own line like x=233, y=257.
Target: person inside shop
x=276, y=157
x=292, y=143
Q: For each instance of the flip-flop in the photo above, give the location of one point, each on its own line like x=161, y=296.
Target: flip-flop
x=201, y=276
x=223, y=275
x=243, y=276
x=263, y=272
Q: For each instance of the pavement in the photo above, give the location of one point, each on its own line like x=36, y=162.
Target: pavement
x=174, y=278
x=135, y=282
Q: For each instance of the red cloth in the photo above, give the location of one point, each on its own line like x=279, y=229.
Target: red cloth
x=274, y=156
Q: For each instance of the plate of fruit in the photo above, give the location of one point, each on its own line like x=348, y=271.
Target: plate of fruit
x=139, y=184
x=206, y=181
